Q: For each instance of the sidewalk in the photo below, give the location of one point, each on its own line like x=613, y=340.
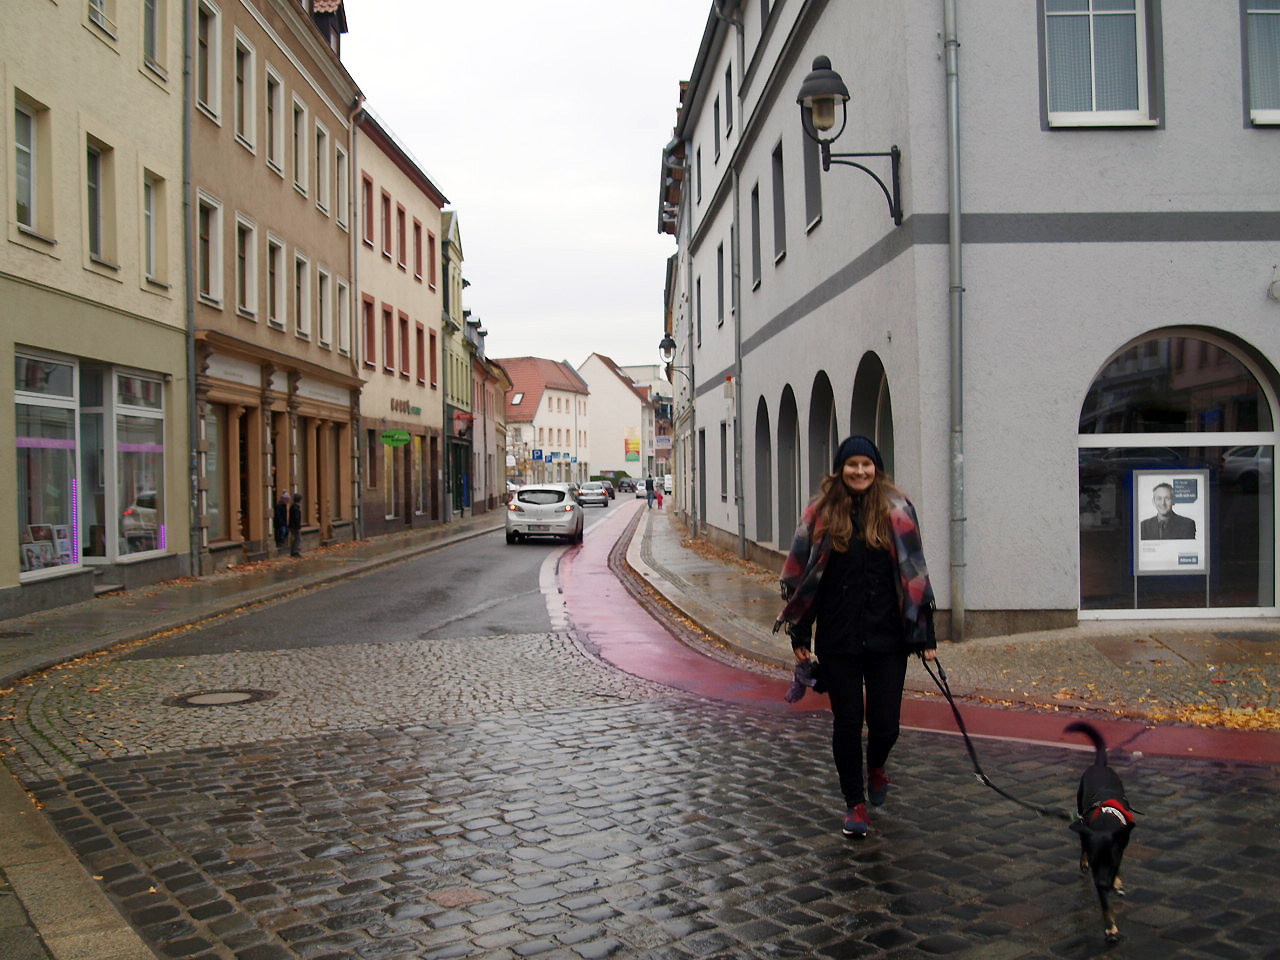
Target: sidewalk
x=1212, y=673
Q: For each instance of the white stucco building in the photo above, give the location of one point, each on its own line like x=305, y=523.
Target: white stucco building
x=621, y=423
x=1078, y=305
x=548, y=416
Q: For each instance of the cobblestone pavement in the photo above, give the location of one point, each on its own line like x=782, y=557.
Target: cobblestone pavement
x=513, y=797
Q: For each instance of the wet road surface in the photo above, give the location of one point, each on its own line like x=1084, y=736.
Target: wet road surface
x=472, y=780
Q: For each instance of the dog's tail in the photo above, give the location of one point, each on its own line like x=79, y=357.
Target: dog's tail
x=1090, y=731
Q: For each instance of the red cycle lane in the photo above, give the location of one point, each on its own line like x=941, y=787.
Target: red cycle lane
x=623, y=633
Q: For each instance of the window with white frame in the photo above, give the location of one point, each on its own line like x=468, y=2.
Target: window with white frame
x=343, y=307
x=302, y=296
x=155, y=234
x=208, y=58
x=47, y=476
x=1096, y=62
x=276, y=279
x=26, y=165
x=153, y=34
x=246, y=105
x=275, y=121
x=246, y=267
x=102, y=14
x=341, y=175
x=324, y=306
x=1263, y=29
x=100, y=202
x=139, y=463
x=322, y=167
x=209, y=249
x=299, y=146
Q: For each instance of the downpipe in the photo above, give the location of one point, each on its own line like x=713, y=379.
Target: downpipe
x=956, y=316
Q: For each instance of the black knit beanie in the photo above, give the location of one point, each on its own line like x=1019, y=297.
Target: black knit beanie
x=857, y=447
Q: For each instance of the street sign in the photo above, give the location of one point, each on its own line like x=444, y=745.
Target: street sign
x=394, y=438
x=537, y=454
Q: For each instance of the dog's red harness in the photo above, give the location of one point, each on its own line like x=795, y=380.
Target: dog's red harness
x=1112, y=808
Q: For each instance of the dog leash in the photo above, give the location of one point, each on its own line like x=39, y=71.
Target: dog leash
x=940, y=680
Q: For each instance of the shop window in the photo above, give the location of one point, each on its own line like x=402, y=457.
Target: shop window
x=215, y=434
x=46, y=464
x=1176, y=481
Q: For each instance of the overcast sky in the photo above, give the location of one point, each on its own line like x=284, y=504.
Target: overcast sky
x=543, y=123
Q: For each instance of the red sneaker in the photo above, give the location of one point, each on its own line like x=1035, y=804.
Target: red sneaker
x=877, y=786
x=856, y=822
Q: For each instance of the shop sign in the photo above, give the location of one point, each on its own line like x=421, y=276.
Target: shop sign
x=404, y=406
x=394, y=438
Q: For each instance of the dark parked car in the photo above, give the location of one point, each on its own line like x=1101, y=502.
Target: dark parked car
x=609, y=488
x=626, y=485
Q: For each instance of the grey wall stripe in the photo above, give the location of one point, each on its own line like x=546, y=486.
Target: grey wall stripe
x=1248, y=226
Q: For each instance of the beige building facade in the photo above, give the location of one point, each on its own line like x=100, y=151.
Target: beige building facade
x=92, y=322
x=277, y=388
x=401, y=302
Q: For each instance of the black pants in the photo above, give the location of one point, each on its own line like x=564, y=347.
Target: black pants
x=883, y=675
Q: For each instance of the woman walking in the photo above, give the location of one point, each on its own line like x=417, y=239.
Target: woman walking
x=856, y=570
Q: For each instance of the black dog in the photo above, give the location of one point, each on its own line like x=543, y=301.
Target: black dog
x=1104, y=824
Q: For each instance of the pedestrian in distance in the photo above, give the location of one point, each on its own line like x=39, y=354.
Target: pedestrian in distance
x=648, y=492
x=295, y=526
x=280, y=519
x=658, y=495
x=856, y=573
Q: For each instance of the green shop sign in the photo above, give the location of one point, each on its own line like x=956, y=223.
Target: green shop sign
x=394, y=438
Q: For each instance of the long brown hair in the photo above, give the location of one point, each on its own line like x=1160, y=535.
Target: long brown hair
x=834, y=510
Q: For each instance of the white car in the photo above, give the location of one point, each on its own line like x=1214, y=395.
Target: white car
x=544, y=510
x=593, y=492
x=668, y=484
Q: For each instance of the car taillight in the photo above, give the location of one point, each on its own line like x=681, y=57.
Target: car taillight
x=567, y=508
x=515, y=507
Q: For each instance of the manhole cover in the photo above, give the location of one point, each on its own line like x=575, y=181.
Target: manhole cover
x=219, y=698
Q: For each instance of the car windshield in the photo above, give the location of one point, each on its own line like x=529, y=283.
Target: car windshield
x=593, y=486
x=540, y=496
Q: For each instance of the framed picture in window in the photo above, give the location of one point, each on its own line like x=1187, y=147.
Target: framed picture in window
x=1171, y=522
x=38, y=555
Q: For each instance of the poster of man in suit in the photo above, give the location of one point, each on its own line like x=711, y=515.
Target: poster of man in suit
x=1170, y=510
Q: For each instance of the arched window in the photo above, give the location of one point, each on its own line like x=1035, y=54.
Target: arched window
x=1176, y=480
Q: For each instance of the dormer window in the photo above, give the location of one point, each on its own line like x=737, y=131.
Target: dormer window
x=515, y=400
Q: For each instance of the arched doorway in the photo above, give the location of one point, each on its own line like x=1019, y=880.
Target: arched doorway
x=1176, y=480
x=822, y=431
x=764, y=474
x=788, y=461
x=871, y=413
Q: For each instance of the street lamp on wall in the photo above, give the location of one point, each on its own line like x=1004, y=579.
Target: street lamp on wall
x=819, y=93
x=667, y=350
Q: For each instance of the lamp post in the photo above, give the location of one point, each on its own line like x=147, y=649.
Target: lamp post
x=667, y=351
x=819, y=94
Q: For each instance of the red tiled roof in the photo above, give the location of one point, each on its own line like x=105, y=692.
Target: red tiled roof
x=325, y=6
x=532, y=376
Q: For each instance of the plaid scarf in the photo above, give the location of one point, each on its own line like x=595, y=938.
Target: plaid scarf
x=810, y=551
